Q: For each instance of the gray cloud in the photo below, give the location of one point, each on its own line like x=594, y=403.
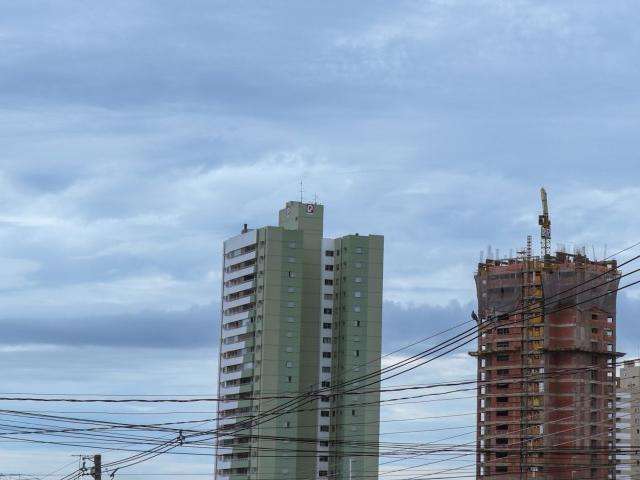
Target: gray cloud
x=193, y=328
x=198, y=327
x=137, y=135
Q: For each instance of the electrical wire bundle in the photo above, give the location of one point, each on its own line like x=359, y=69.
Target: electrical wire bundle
x=144, y=442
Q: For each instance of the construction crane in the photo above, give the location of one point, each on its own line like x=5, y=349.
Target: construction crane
x=545, y=226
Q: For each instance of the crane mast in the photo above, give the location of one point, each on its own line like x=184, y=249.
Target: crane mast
x=545, y=226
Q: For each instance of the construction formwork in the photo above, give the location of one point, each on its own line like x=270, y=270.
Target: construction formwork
x=546, y=367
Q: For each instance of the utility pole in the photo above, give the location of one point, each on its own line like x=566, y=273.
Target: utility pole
x=96, y=471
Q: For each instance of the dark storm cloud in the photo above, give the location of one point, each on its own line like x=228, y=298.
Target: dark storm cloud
x=194, y=328
x=199, y=327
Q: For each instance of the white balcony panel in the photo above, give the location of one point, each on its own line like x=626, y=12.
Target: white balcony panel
x=239, y=287
x=236, y=363
x=230, y=421
x=228, y=405
x=235, y=317
x=239, y=273
x=239, y=302
x=234, y=375
x=241, y=240
x=228, y=262
x=232, y=346
x=246, y=358
x=229, y=391
x=236, y=331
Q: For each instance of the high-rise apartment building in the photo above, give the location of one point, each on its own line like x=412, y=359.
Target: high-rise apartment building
x=300, y=313
x=546, y=367
x=628, y=421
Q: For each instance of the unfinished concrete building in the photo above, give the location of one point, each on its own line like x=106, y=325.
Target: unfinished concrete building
x=546, y=365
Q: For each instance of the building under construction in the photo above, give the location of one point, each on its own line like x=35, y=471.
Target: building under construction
x=546, y=364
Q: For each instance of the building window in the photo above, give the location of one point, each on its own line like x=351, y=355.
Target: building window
x=324, y=413
x=503, y=331
x=502, y=344
x=323, y=459
x=327, y=311
x=289, y=349
x=290, y=319
x=292, y=245
x=328, y=253
x=502, y=357
x=292, y=274
x=289, y=379
x=328, y=268
x=326, y=354
x=328, y=281
x=356, y=308
x=291, y=304
x=326, y=369
x=356, y=353
x=328, y=296
x=289, y=334
x=326, y=339
x=356, y=323
x=326, y=326
x=289, y=364
x=358, y=279
x=359, y=250
x=357, y=294
x=291, y=289
x=326, y=384
x=358, y=264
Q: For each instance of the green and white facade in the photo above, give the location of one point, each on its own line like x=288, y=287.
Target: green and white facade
x=300, y=313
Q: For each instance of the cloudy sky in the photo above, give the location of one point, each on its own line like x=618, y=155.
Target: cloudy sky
x=137, y=135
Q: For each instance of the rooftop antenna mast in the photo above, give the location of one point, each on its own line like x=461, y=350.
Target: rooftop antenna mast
x=545, y=227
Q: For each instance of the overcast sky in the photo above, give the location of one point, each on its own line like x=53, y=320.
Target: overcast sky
x=137, y=135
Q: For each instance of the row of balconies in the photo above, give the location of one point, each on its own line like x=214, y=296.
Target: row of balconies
x=240, y=265
x=241, y=306
x=230, y=298
x=249, y=269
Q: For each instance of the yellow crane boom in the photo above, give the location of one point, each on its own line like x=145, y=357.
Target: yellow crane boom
x=545, y=225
